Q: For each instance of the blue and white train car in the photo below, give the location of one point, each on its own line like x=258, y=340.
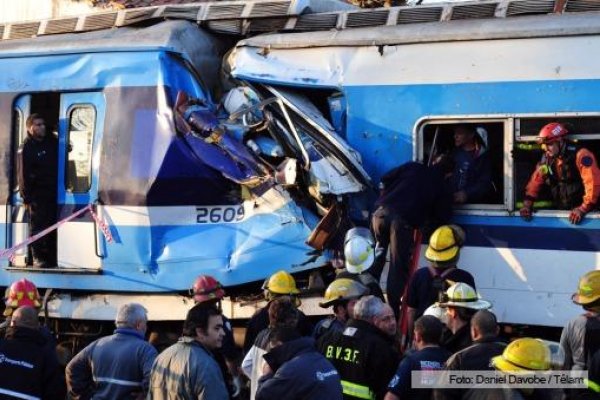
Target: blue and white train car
x=175, y=203
x=393, y=89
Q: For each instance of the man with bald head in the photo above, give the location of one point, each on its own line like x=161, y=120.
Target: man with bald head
x=30, y=368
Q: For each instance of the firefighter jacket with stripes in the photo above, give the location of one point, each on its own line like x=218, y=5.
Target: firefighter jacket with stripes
x=365, y=358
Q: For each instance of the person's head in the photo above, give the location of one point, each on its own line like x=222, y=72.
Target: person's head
x=21, y=293
x=464, y=136
x=36, y=126
x=483, y=325
x=588, y=291
x=132, y=316
x=207, y=289
x=359, y=250
x=281, y=335
x=204, y=323
x=444, y=246
x=283, y=312
x=427, y=331
x=25, y=317
x=342, y=294
x=281, y=283
x=552, y=137
x=374, y=311
x=524, y=355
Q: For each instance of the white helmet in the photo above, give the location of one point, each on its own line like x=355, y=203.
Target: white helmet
x=359, y=250
x=462, y=295
x=436, y=311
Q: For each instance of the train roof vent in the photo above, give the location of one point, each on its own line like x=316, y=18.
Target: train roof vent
x=267, y=24
x=366, y=18
x=64, y=25
x=269, y=9
x=530, y=7
x=225, y=11
x=136, y=15
x=470, y=11
x=189, y=12
x=99, y=21
x=231, y=26
x=415, y=15
x=582, y=5
x=24, y=30
x=309, y=22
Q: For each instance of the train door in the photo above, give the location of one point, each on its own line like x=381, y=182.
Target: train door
x=81, y=118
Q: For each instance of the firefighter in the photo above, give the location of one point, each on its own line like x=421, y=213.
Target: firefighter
x=571, y=173
x=359, y=255
x=342, y=294
x=280, y=283
x=364, y=353
x=20, y=293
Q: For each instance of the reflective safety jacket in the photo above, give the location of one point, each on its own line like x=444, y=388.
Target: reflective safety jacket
x=364, y=357
x=573, y=179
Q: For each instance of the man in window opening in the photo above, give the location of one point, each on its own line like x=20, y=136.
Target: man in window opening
x=37, y=164
x=472, y=176
x=570, y=172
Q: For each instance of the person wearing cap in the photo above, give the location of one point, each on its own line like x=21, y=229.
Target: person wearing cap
x=461, y=303
x=281, y=283
x=411, y=195
x=571, y=173
x=342, y=294
x=428, y=285
x=359, y=255
x=580, y=338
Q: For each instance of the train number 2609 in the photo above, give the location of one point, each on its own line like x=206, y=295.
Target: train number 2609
x=218, y=214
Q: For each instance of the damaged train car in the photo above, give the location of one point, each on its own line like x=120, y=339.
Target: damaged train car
x=166, y=182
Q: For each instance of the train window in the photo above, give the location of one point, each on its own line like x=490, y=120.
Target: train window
x=473, y=152
x=82, y=119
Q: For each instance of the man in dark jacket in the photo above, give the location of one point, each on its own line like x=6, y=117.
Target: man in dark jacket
x=30, y=368
x=364, y=353
x=411, y=194
x=296, y=370
x=37, y=163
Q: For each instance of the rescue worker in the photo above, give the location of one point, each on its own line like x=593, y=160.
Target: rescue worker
x=342, y=294
x=93, y=372
x=359, y=255
x=207, y=290
x=411, y=195
x=428, y=356
x=280, y=283
x=37, y=165
x=580, y=338
x=429, y=284
x=461, y=303
x=364, y=353
x=571, y=173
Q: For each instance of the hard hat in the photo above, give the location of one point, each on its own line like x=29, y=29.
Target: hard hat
x=207, y=288
x=462, y=295
x=436, y=311
x=445, y=243
x=522, y=355
x=359, y=250
x=281, y=282
x=552, y=132
x=343, y=289
x=589, y=288
x=21, y=293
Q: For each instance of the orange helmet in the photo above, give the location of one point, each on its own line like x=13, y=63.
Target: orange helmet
x=207, y=288
x=552, y=132
x=21, y=293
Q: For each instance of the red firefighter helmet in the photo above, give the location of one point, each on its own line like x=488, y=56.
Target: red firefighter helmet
x=21, y=293
x=552, y=132
x=207, y=288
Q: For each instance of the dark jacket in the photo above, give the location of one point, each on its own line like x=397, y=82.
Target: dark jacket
x=364, y=357
x=473, y=174
x=260, y=321
x=37, y=168
x=299, y=372
x=417, y=193
x=454, y=342
x=29, y=366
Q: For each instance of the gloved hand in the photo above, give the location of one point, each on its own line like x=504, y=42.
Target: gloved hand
x=576, y=215
x=527, y=210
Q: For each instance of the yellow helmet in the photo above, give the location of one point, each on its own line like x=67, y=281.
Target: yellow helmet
x=525, y=354
x=445, y=243
x=462, y=295
x=281, y=282
x=343, y=289
x=589, y=288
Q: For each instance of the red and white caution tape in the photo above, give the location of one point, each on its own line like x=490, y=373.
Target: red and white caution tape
x=103, y=227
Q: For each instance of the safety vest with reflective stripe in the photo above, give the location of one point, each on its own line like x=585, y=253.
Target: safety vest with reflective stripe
x=358, y=391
